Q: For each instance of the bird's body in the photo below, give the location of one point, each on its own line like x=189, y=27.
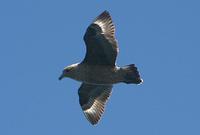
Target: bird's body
x=98, y=74
x=95, y=74
x=98, y=71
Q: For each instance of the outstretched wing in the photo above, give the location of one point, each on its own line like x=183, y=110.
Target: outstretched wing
x=101, y=45
x=92, y=99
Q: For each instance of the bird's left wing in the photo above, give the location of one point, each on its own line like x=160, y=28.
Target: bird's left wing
x=92, y=99
x=101, y=45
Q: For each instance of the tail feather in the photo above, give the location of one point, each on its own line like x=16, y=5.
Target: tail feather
x=131, y=74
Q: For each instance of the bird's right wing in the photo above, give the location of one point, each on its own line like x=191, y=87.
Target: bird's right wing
x=92, y=99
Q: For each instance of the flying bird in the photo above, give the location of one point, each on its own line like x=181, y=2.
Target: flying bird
x=98, y=70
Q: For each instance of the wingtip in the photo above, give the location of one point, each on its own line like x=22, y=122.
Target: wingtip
x=92, y=120
x=105, y=11
x=105, y=14
x=93, y=123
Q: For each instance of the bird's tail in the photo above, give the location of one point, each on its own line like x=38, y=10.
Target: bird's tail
x=131, y=74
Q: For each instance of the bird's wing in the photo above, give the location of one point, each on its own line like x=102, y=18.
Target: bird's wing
x=92, y=99
x=101, y=45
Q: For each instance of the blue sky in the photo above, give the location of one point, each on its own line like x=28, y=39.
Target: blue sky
x=39, y=38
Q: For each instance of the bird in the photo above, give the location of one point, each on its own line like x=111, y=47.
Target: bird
x=98, y=71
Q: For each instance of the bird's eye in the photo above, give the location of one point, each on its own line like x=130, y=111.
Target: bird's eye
x=67, y=70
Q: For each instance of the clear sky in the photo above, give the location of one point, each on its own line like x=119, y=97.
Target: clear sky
x=39, y=38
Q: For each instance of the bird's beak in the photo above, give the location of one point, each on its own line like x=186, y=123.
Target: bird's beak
x=61, y=77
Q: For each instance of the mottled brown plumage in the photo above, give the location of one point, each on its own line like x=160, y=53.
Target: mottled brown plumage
x=98, y=71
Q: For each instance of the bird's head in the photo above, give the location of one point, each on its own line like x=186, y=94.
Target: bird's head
x=68, y=71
